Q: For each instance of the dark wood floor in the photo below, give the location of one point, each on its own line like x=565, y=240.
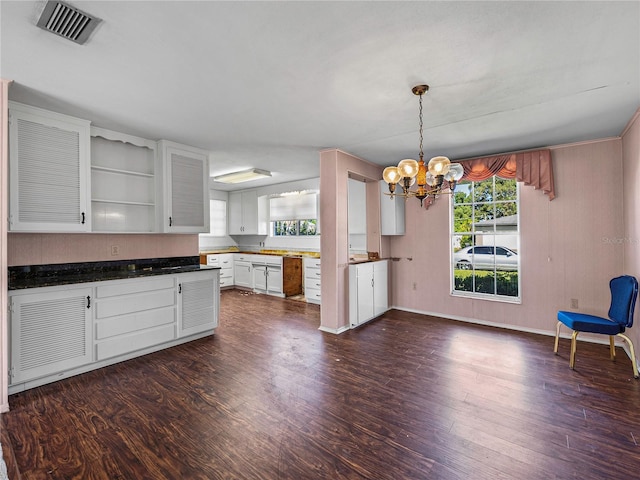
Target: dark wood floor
x=271, y=397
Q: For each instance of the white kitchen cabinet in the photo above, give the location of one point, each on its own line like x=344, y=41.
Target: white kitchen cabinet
x=312, y=280
x=123, y=182
x=198, y=305
x=186, y=188
x=267, y=274
x=224, y=261
x=60, y=331
x=49, y=158
x=134, y=314
x=391, y=212
x=50, y=332
x=242, y=271
x=368, y=291
x=248, y=213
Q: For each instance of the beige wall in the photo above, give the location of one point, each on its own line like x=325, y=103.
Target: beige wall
x=566, y=247
x=45, y=248
x=631, y=211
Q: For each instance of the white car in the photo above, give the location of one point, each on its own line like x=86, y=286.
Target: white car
x=483, y=257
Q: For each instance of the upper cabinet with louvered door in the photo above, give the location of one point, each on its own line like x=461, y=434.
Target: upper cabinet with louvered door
x=49, y=158
x=186, y=188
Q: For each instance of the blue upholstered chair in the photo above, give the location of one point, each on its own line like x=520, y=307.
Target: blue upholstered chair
x=624, y=291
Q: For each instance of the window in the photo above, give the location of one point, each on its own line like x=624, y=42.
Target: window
x=294, y=215
x=294, y=227
x=218, y=218
x=485, y=240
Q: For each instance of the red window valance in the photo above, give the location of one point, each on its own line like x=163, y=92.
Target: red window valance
x=531, y=168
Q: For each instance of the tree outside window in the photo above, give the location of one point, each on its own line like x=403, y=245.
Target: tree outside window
x=282, y=228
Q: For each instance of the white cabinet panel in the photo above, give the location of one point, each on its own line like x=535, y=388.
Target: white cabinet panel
x=49, y=171
x=198, y=305
x=225, y=262
x=186, y=188
x=50, y=332
x=312, y=280
x=243, y=273
x=248, y=213
x=368, y=291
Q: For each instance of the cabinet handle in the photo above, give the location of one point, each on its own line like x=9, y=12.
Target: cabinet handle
x=88, y=301
x=179, y=288
x=170, y=221
x=372, y=282
x=82, y=218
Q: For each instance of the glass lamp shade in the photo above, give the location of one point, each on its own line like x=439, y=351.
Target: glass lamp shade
x=431, y=179
x=439, y=166
x=391, y=175
x=455, y=172
x=408, y=168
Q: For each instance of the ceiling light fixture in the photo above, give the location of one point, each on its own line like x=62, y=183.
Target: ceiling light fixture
x=242, y=176
x=430, y=178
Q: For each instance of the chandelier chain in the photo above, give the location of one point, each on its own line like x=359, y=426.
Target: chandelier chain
x=421, y=152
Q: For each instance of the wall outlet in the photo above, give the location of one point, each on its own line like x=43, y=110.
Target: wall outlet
x=115, y=250
x=574, y=303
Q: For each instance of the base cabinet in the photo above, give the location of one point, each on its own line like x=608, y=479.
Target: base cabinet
x=198, y=308
x=49, y=332
x=368, y=291
x=225, y=262
x=134, y=314
x=312, y=280
x=242, y=271
x=57, y=332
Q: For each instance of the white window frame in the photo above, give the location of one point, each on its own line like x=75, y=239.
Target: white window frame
x=452, y=234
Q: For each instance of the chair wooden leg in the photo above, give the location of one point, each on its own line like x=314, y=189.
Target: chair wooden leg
x=555, y=346
x=572, y=359
x=612, y=347
x=633, y=355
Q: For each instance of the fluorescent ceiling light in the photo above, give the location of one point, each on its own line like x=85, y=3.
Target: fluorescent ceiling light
x=242, y=176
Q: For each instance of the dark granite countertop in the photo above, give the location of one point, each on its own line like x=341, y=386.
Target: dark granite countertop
x=32, y=276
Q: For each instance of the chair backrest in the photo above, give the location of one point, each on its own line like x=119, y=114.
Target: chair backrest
x=624, y=291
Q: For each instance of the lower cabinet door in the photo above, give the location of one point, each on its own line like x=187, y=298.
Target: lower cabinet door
x=198, y=306
x=50, y=332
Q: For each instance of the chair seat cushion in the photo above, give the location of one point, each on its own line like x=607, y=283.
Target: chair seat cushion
x=589, y=323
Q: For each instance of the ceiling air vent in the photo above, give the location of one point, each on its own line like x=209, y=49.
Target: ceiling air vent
x=67, y=21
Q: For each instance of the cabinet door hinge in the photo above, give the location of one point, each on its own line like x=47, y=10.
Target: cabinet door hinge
x=12, y=372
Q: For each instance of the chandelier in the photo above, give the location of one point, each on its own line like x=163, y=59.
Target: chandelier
x=439, y=176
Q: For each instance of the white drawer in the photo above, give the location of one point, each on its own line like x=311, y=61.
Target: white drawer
x=135, y=341
x=312, y=295
x=213, y=260
x=311, y=263
x=312, y=283
x=312, y=273
x=113, y=326
x=126, y=287
x=138, y=302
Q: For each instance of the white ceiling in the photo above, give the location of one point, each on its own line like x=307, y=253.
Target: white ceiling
x=269, y=84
